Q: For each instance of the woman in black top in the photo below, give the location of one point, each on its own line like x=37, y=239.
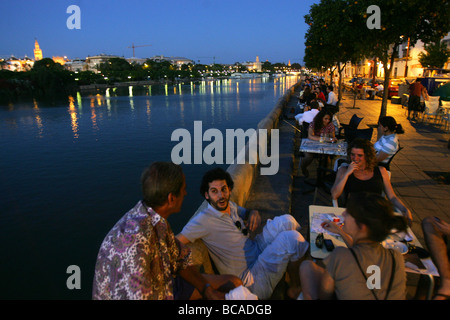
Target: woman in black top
x=363, y=174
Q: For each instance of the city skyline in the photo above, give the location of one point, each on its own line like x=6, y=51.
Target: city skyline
x=206, y=31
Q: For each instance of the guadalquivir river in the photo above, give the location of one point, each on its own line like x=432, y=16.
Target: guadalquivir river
x=69, y=172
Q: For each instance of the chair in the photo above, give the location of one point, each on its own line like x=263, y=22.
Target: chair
x=327, y=178
x=305, y=128
x=431, y=108
x=446, y=114
x=351, y=134
x=387, y=165
x=354, y=123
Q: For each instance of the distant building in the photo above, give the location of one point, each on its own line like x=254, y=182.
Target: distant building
x=61, y=60
x=76, y=65
x=136, y=60
x=178, y=61
x=95, y=61
x=37, y=51
x=15, y=64
x=253, y=66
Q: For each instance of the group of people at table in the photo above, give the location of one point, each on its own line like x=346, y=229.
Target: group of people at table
x=141, y=257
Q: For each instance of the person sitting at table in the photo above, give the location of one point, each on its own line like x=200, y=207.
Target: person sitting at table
x=308, y=116
x=437, y=233
x=322, y=125
x=387, y=144
x=320, y=95
x=332, y=99
x=346, y=275
x=363, y=174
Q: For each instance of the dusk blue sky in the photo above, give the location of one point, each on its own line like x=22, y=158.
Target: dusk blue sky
x=230, y=30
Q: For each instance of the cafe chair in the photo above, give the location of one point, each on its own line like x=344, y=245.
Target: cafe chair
x=305, y=127
x=351, y=134
x=354, y=123
x=387, y=165
x=327, y=178
x=431, y=108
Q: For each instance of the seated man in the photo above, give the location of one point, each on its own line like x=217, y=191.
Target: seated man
x=224, y=228
x=332, y=99
x=140, y=258
x=309, y=115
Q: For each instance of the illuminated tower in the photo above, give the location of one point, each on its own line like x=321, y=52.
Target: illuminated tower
x=37, y=51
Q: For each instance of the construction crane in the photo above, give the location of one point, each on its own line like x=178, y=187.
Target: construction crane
x=133, y=46
x=214, y=59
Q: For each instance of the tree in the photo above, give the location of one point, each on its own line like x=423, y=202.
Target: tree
x=401, y=19
x=331, y=40
x=50, y=80
x=436, y=55
x=339, y=31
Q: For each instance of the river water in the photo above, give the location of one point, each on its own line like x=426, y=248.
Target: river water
x=69, y=172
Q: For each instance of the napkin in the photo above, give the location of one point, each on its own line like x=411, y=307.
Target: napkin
x=240, y=293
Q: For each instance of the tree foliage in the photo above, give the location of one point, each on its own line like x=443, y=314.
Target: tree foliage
x=436, y=55
x=338, y=31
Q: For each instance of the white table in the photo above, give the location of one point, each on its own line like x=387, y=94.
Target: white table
x=337, y=241
x=339, y=148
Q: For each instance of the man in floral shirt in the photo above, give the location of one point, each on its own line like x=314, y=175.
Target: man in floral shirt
x=141, y=259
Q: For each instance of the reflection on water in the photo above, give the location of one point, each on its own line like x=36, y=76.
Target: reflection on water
x=108, y=97
x=69, y=172
x=73, y=117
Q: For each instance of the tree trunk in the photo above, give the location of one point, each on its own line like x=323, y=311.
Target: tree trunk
x=387, y=76
x=340, y=81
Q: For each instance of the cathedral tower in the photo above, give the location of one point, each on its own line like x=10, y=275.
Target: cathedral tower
x=37, y=51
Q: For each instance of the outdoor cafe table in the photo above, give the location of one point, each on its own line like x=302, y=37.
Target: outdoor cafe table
x=323, y=148
x=315, y=218
x=339, y=148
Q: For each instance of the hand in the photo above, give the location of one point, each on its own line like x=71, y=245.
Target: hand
x=212, y=294
x=407, y=214
x=442, y=226
x=254, y=220
x=331, y=226
x=353, y=166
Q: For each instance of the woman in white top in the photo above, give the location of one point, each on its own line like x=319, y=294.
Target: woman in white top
x=387, y=144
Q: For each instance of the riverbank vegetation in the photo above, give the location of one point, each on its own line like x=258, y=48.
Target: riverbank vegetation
x=50, y=81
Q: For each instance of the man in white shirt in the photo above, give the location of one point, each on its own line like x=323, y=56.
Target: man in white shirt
x=308, y=116
x=332, y=100
x=225, y=227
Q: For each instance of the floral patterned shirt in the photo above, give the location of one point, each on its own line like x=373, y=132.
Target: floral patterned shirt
x=139, y=258
x=329, y=129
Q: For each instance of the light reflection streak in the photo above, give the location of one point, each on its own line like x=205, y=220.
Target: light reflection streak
x=130, y=95
x=38, y=119
x=73, y=117
x=93, y=114
x=149, y=112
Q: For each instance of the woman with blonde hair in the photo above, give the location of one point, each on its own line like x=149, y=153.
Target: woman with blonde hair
x=363, y=174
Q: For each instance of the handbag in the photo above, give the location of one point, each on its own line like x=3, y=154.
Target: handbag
x=365, y=277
